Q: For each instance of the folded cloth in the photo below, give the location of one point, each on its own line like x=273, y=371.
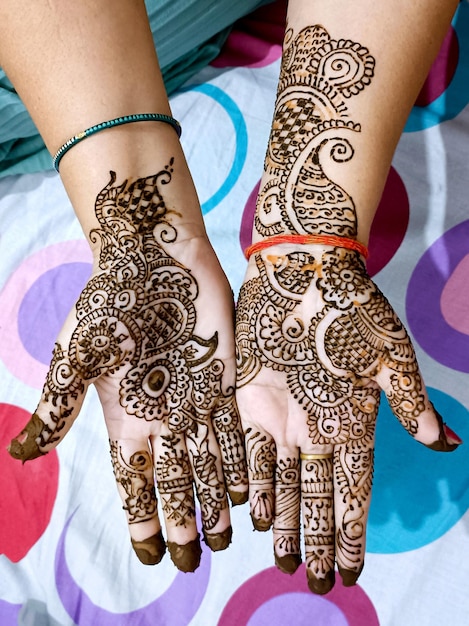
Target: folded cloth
x=188, y=34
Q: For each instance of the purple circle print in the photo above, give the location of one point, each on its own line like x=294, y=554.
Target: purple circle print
x=435, y=301
x=45, y=306
x=25, y=320
x=174, y=607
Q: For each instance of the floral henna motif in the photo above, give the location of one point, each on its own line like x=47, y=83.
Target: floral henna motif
x=315, y=315
x=135, y=330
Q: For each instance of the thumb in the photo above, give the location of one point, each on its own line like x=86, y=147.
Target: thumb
x=408, y=399
x=61, y=400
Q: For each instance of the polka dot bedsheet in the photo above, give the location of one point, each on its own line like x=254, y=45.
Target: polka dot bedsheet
x=65, y=555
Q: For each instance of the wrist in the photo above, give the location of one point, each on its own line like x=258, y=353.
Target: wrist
x=296, y=240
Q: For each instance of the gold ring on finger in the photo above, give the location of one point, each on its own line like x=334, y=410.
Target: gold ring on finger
x=315, y=457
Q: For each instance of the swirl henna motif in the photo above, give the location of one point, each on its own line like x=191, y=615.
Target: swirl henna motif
x=135, y=332
x=317, y=76
x=313, y=323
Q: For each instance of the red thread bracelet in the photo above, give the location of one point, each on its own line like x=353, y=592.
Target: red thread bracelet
x=325, y=240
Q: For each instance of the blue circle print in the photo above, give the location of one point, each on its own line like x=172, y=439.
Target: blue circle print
x=418, y=494
x=240, y=129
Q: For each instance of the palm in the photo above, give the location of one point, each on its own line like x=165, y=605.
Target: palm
x=316, y=342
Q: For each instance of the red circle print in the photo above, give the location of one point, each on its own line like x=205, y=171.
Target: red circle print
x=28, y=490
x=389, y=225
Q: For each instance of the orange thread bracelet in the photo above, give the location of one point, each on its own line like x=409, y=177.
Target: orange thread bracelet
x=325, y=240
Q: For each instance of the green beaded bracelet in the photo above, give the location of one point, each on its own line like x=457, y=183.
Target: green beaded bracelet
x=118, y=121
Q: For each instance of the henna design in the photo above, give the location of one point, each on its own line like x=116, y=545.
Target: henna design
x=317, y=76
x=315, y=315
x=136, y=478
x=229, y=435
x=353, y=475
x=318, y=516
x=261, y=454
x=209, y=483
x=136, y=316
x=174, y=478
x=286, y=528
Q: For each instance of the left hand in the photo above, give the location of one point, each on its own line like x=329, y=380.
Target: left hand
x=316, y=343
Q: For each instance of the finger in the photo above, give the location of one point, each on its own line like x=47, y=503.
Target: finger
x=261, y=454
x=353, y=476
x=408, y=399
x=392, y=363
x=61, y=400
x=133, y=469
x=227, y=426
x=206, y=465
x=318, y=520
x=286, y=527
x=175, y=487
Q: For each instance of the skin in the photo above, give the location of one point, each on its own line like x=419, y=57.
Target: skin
x=316, y=339
x=153, y=328
x=345, y=340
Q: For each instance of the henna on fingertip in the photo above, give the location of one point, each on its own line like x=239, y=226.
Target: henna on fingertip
x=447, y=440
x=150, y=551
x=238, y=497
x=261, y=524
x=289, y=563
x=218, y=541
x=186, y=557
x=350, y=577
x=321, y=586
x=24, y=446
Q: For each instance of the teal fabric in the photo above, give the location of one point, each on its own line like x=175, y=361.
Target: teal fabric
x=188, y=34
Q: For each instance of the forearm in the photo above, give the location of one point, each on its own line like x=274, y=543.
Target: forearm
x=350, y=75
x=79, y=64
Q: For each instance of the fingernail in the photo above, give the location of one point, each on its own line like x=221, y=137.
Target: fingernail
x=218, y=541
x=447, y=441
x=24, y=447
x=289, y=563
x=321, y=586
x=150, y=551
x=451, y=436
x=186, y=557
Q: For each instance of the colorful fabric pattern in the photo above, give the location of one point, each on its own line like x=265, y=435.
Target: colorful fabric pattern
x=65, y=556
